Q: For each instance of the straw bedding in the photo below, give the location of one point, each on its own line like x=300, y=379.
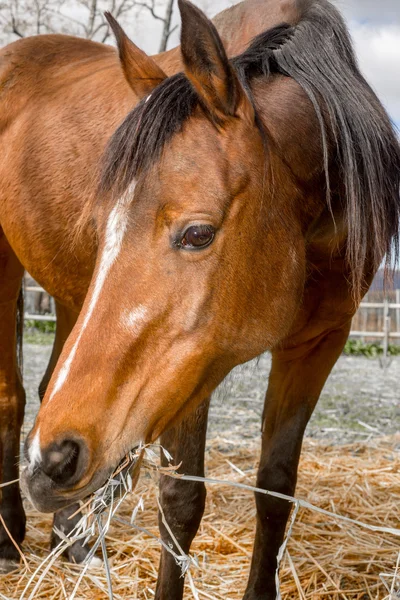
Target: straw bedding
x=325, y=558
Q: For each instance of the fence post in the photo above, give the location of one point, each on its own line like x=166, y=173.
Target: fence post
x=364, y=319
x=386, y=332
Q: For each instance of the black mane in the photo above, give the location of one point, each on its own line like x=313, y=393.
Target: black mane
x=355, y=129
x=141, y=138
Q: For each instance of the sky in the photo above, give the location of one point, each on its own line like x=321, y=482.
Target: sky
x=375, y=29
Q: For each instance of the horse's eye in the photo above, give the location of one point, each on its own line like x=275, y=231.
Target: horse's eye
x=197, y=236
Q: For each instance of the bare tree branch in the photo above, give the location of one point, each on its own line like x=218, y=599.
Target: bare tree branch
x=173, y=30
x=21, y=18
x=106, y=35
x=151, y=8
x=15, y=28
x=166, y=20
x=92, y=16
x=166, y=34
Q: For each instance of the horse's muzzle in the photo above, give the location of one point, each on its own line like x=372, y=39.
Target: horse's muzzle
x=53, y=481
x=48, y=497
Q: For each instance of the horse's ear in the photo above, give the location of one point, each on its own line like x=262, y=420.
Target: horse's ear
x=207, y=66
x=141, y=71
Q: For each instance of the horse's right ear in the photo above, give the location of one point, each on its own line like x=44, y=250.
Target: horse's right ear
x=141, y=71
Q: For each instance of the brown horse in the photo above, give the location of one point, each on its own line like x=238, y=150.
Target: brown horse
x=244, y=205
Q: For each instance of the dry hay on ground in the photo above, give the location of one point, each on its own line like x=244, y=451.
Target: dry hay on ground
x=326, y=559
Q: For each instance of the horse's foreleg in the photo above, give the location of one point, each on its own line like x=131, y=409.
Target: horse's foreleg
x=12, y=403
x=182, y=501
x=296, y=381
x=63, y=522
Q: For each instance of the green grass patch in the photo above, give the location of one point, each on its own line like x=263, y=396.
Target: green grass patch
x=39, y=332
x=40, y=326
x=371, y=350
x=40, y=339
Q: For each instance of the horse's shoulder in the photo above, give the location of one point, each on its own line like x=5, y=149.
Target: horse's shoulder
x=40, y=66
x=40, y=58
x=52, y=48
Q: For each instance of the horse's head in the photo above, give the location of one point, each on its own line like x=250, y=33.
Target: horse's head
x=200, y=266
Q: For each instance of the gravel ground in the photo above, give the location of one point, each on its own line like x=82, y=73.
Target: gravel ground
x=360, y=400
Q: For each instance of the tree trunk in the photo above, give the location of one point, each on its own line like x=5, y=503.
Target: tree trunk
x=167, y=26
x=92, y=18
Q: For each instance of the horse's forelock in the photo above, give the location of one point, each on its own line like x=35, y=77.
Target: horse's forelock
x=141, y=138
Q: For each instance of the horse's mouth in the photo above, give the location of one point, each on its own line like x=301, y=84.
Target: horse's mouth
x=122, y=480
x=103, y=487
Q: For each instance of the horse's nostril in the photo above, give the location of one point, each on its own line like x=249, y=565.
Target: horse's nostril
x=61, y=461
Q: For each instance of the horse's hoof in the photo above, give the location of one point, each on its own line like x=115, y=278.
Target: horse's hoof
x=9, y=558
x=77, y=554
x=66, y=520
x=95, y=563
x=7, y=565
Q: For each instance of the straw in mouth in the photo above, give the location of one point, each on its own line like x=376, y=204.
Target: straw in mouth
x=122, y=481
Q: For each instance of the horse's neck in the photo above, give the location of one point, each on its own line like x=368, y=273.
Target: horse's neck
x=238, y=26
x=241, y=23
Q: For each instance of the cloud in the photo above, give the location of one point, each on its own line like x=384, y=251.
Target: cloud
x=375, y=28
x=374, y=11
x=378, y=51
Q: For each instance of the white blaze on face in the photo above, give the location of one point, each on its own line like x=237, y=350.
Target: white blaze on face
x=114, y=234
x=134, y=320
x=35, y=455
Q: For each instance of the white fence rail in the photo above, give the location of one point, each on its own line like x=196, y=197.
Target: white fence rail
x=386, y=334
x=44, y=318
x=386, y=307
x=48, y=317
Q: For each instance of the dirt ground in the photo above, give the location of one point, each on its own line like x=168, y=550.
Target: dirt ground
x=360, y=400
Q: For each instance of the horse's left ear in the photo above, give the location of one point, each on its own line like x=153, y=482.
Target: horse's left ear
x=141, y=72
x=208, y=68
